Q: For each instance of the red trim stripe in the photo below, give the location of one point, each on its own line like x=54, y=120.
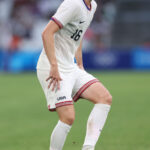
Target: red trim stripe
x=57, y=22
x=66, y=103
x=83, y=88
x=49, y=108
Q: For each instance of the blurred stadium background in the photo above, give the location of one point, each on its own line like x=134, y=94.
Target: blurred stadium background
x=116, y=50
x=119, y=37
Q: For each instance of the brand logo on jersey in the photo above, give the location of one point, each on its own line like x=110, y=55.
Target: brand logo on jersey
x=61, y=98
x=81, y=22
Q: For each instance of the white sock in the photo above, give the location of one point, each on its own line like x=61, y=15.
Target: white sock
x=95, y=125
x=59, y=135
x=88, y=147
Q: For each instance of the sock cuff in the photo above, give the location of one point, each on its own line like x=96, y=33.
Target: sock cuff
x=105, y=107
x=64, y=125
x=88, y=147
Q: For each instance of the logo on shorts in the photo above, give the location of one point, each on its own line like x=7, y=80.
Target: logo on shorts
x=61, y=98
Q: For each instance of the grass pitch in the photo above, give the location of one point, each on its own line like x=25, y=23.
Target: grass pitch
x=26, y=124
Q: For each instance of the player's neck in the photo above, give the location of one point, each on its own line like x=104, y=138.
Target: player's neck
x=88, y=2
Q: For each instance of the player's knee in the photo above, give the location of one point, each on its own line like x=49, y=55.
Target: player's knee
x=108, y=99
x=68, y=119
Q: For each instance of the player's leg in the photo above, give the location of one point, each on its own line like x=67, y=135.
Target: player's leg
x=102, y=99
x=66, y=118
x=97, y=93
x=61, y=101
x=66, y=114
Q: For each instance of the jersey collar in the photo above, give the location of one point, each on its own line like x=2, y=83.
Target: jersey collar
x=87, y=6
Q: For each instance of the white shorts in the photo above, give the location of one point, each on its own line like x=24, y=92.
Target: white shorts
x=73, y=84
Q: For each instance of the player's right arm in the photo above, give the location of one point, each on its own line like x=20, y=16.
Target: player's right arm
x=48, y=42
x=67, y=11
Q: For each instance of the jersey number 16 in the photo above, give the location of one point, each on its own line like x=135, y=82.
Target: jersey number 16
x=76, y=36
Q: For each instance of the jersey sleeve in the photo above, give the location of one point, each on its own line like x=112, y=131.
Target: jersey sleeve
x=66, y=12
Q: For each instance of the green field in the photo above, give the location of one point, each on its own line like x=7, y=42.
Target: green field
x=26, y=124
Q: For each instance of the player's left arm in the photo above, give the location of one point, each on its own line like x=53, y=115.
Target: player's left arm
x=78, y=57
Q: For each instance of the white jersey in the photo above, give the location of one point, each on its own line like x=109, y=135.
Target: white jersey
x=73, y=17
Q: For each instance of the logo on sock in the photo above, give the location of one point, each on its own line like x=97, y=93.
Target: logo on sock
x=61, y=98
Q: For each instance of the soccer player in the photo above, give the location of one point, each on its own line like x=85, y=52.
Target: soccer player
x=64, y=81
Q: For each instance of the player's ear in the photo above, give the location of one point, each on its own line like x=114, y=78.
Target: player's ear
x=51, y=27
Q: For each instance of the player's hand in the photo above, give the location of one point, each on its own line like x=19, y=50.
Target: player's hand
x=54, y=79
